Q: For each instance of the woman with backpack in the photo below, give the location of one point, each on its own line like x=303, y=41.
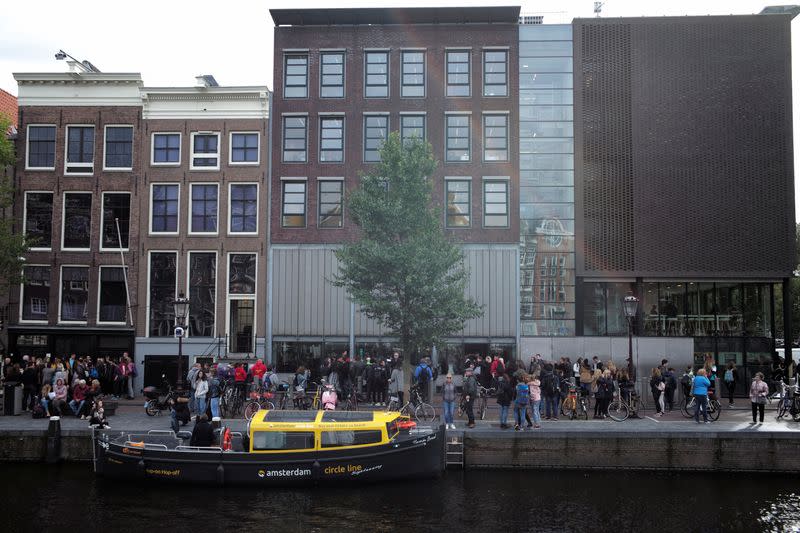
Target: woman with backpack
x=521, y=403
x=730, y=381
x=504, y=394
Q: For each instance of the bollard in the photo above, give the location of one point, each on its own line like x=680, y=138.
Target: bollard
x=53, y=454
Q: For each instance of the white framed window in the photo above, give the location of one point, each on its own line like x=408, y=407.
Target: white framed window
x=76, y=216
x=204, y=209
x=164, y=208
x=116, y=207
x=40, y=148
x=241, y=301
x=165, y=148
x=201, y=279
x=34, y=294
x=243, y=208
x=205, y=151
x=112, y=296
x=118, y=148
x=459, y=73
x=162, y=288
x=79, y=150
x=244, y=148
x=74, y=294
x=37, y=220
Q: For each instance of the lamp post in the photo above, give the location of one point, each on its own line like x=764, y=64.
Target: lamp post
x=631, y=306
x=181, y=305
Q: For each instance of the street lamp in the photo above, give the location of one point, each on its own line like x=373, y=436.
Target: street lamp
x=631, y=305
x=181, y=305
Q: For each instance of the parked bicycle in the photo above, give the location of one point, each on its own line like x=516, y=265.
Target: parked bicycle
x=576, y=404
x=789, y=401
x=421, y=411
x=310, y=399
x=625, y=405
x=483, y=396
x=231, y=401
x=713, y=407
x=259, y=399
x=159, y=399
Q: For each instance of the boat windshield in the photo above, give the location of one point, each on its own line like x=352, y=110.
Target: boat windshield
x=283, y=440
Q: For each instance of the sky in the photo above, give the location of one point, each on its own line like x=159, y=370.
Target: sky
x=171, y=42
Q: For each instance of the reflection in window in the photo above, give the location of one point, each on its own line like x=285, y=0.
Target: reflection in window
x=376, y=130
x=495, y=204
x=166, y=147
x=38, y=219
x=74, y=293
x=458, y=73
x=242, y=316
x=244, y=208
x=41, y=147
x=35, y=292
x=458, y=203
x=293, y=210
x=77, y=220
x=204, y=208
x=205, y=150
x=295, y=77
x=332, y=75
x=495, y=69
x=116, y=207
x=495, y=137
x=294, y=139
x=376, y=81
x=242, y=274
x=332, y=439
x=412, y=126
x=244, y=148
x=164, y=207
x=458, y=138
x=162, y=293
x=413, y=74
x=80, y=149
x=113, y=297
x=283, y=440
x=331, y=139
x=119, y=147
x=330, y=204
x=202, y=293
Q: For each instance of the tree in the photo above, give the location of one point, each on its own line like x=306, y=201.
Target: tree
x=403, y=272
x=12, y=245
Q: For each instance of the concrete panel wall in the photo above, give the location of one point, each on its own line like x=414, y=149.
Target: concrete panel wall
x=492, y=274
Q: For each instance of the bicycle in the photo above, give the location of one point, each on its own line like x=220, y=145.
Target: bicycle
x=483, y=395
x=351, y=403
x=231, y=401
x=575, y=405
x=714, y=408
x=789, y=401
x=258, y=400
x=620, y=409
x=305, y=402
x=421, y=411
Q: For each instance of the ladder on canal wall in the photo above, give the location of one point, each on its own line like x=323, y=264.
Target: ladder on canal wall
x=454, y=451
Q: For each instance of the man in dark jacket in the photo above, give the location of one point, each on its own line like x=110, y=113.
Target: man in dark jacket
x=203, y=433
x=504, y=397
x=551, y=392
x=29, y=383
x=470, y=393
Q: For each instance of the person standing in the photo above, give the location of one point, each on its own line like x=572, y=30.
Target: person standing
x=670, y=385
x=758, y=396
x=423, y=375
x=730, y=381
x=552, y=392
x=535, y=388
x=470, y=393
x=448, y=401
x=657, y=387
x=200, y=392
x=521, y=402
x=504, y=395
x=397, y=381
x=700, y=386
x=213, y=393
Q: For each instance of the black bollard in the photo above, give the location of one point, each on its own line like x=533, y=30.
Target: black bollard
x=53, y=454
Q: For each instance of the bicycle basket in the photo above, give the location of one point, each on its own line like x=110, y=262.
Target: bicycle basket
x=254, y=395
x=268, y=395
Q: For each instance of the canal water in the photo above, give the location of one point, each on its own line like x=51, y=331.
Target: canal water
x=69, y=499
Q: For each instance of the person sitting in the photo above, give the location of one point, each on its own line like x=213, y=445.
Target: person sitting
x=180, y=413
x=59, y=399
x=98, y=416
x=203, y=433
x=78, y=398
x=45, y=397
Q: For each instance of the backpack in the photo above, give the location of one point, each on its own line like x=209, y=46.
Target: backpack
x=424, y=375
x=523, y=394
x=686, y=381
x=551, y=385
x=93, y=373
x=729, y=375
x=38, y=410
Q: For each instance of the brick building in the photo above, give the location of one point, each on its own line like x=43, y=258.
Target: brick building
x=8, y=107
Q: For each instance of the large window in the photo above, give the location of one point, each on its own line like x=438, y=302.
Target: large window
x=243, y=208
x=413, y=75
x=244, y=148
x=202, y=293
x=376, y=75
x=331, y=75
x=39, y=219
x=112, y=304
x=163, y=271
x=241, y=302
x=495, y=204
x=35, y=292
x=458, y=138
x=164, y=208
x=166, y=149
x=205, y=151
x=495, y=73
x=74, y=294
x=116, y=208
x=412, y=126
x=332, y=439
x=80, y=150
x=204, y=208
x=458, y=73
x=119, y=148
x=283, y=440
x=293, y=210
x=331, y=139
x=77, y=228
x=330, y=203
x=376, y=131
x=295, y=76
x=41, y=147
x=294, y=139
x=458, y=203
x=495, y=137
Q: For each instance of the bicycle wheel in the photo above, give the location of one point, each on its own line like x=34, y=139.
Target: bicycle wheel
x=781, y=408
x=482, y=408
x=152, y=408
x=687, y=408
x=425, y=413
x=407, y=410
x=583, y=411
x=618, y=411
x=714, y=409
x=251, y=409
x=566, y=407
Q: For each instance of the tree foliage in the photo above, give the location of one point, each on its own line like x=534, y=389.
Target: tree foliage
x=403, y=272
x=12, y=244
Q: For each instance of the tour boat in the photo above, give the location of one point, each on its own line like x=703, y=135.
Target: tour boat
x=282, y=448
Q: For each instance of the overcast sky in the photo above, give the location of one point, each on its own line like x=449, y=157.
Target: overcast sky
x=171, y=42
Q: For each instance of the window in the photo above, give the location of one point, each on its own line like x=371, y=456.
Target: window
x=331, y=75
x=495, y=204
x=41, y=147
x=39, y=219
x=294, y=139
x=77, y=226
x=458, y=138
x=35, y=292
x=119, y=148
x=495, y=73
x=376, y=75
x=295, y=76
x=495, y=137
x=80, y=150
x=205, y=151
x=332, y=439
x=116, y=206
x=244, y=149
x=166, y=149
x=458, y=73
x=293, y=213
x=413, y=74
x=376, y=131
x=283, y=440
x=243, y=208
x=164, y=208
x=412, y=126
x=204, y=208
x=331, y=193
x=331, y=139
x=163, y=271
x=242, y=274
x=74, y=294
x=241, y=302
x=202, y=293
x=458, y=203
x=113, y=300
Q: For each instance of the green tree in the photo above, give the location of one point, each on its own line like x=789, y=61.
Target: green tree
x=12, y=244
x=403, y=271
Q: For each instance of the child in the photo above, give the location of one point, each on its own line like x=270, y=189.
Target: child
x=98, y=416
